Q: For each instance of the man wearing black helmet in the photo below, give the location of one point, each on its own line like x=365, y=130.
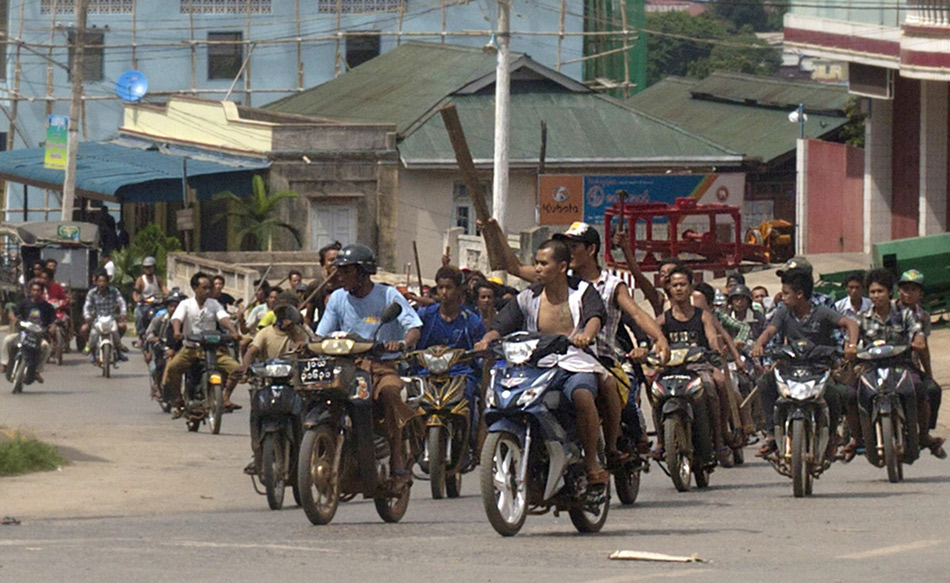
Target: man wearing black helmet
x=356, y=307
x=740, y=308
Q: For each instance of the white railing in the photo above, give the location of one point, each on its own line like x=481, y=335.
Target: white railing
x=935, y=13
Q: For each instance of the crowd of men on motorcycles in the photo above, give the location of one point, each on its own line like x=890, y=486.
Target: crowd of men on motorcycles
x=354, y=382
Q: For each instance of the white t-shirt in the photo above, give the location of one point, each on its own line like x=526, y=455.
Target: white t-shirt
x=195, y=320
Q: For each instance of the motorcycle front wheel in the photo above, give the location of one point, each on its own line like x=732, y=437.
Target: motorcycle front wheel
x=627, y=482
x=318, y=476
x=591, y=515
x=676, y=451
x=272, y=451
x=215, y=406
x=19, y=374
x=894, y=471
x=504, y=499
x=800, y=474
x=105, y=358
x=59, y=345
x=436, y=439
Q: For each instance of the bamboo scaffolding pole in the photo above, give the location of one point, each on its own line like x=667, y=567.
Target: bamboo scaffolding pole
x=135, y=60
x=17, y=74
x=339, y=37
x=247, y=61
x=560, y=35
x=299, y=47
x=194, y=47
x=626, y=53
x=49, y=57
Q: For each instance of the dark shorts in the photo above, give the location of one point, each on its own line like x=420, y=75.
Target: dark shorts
x=571, y=381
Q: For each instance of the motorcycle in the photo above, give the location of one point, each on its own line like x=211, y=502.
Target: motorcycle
x=60, y=340
x=627, y=476
x=204, y=383
x=27, y=359
x=802, y=423
x=275, y=413
x=153, y=306
x=344, y=452
x=518, y=475
x=447, y=416
x=105, y=350
x=889, y=439
x=681, y=413
x=156, y=369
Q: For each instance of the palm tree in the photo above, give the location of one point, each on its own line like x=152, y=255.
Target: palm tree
x=257, y=214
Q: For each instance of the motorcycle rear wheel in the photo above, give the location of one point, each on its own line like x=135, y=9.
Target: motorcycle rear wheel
x=215, y=407
x=505, y=501
x=436, y=439
x=19, y=374
x=272, y=451
x=678, y=462
x=392, y=508
x=105, y=358
x=800, y=473
x=890, y=450
x=59, y=345
x=318, y=479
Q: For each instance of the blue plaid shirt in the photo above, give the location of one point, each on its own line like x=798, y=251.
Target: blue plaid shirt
x=98, y=304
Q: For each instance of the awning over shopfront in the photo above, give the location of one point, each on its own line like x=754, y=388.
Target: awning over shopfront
x=120, y=173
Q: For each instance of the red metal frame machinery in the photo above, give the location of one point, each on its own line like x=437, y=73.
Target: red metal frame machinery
x=711, y=254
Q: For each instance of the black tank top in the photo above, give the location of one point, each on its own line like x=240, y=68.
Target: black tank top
x=691, y=332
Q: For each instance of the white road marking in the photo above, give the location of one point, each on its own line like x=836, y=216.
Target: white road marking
x=891, y=550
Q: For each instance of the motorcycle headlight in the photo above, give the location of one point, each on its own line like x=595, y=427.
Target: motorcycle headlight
x=438, y=364
x=519, y=352
x=529, y=396
x=214, y=379
x=802, y=390
x=278, y=369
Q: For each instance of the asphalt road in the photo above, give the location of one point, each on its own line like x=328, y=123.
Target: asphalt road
x=194, y=515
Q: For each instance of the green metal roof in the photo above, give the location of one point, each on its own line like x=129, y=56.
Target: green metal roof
x=582, y=129
x=399, y=86
x=754, y=131
x=772, y=92
x=409, y=84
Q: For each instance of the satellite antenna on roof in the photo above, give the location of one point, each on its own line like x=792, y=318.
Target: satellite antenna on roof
x=131, y=86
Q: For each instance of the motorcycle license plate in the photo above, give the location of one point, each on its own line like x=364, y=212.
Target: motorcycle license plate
x=315, y=371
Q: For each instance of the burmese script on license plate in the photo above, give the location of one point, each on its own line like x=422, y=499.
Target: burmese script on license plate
x=315, y=370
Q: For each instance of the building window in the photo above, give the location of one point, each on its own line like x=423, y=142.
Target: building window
x=360, y=49
x=224, y=6
x=463, y=211
x=93, y=56
x=94, y=6
x=224, y=60
x=359, y=6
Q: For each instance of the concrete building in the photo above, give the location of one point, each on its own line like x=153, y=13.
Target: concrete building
x=898, y=58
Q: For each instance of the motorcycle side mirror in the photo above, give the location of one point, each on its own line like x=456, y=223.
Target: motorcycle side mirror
x=390, y=313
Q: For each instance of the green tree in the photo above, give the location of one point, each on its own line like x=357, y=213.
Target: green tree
x=743, y=12
x=257, y=215
x=677, y=45
x=853, y=131
x=151, y=241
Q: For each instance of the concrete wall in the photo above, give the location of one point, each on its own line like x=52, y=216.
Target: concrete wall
x=424, y=212
x=835, y=198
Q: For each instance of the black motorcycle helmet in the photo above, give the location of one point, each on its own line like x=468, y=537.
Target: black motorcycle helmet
x=286, y=312
x=740, y=290
x=359, y=255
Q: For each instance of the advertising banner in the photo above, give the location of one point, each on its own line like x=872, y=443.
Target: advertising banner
x=55, y=155
x=560, y=206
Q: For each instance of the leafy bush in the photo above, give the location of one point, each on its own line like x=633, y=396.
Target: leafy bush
x=150, y=241
x=20, y=454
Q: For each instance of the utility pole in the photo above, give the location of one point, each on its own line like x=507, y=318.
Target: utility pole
x=502, y=102
x=75, y=105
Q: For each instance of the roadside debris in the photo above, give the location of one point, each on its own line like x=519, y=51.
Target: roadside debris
x=645, y=556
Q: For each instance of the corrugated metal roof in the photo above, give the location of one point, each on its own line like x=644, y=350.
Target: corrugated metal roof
x=114, y=172
x=772, y=92
x=583, y=128
x=756, y=132
x=399, y=86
